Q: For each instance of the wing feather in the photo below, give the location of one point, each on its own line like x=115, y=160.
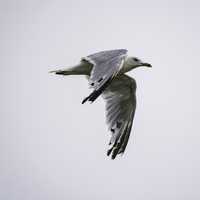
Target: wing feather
x=106, y=66
x=120, y=109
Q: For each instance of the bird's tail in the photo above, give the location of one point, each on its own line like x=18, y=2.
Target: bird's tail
x=64, y=72
x=80, y=69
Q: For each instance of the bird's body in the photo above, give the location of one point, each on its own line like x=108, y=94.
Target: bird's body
x=85, y=68
x=105, y=71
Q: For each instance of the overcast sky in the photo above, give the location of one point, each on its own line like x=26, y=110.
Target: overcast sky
x=52, y=147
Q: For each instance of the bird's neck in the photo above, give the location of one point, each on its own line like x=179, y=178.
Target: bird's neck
x=125, y=68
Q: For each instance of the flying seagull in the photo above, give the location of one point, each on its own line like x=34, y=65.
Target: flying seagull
x=106, y=74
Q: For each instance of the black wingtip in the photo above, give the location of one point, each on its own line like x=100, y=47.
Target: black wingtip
x=88, y=99
x=109, y=151
x=84, y=100
x=113, y=151
x=96, y=93
x=92, y=97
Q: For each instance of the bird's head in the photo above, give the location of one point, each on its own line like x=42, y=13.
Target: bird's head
x=135, y=62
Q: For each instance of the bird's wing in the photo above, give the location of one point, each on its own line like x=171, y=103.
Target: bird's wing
x=120, y=109
x=106, y=65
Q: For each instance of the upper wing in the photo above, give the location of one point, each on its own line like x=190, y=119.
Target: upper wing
x=120, y=109
x=106, y=65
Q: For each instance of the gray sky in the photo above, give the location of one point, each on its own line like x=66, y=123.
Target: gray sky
x=52, y=147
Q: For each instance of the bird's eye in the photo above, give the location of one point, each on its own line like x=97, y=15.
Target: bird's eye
x=136, y=59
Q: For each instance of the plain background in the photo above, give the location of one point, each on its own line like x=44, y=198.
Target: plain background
x=52, y=147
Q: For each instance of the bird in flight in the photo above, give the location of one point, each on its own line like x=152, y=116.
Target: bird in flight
x=105, y=71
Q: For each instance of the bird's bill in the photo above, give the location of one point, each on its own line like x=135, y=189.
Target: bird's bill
x=146, y=65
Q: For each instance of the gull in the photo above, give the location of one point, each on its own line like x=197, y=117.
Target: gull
x=105, y=71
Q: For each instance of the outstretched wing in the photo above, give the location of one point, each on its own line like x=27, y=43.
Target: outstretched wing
x=106, y=65
x=120, y=109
